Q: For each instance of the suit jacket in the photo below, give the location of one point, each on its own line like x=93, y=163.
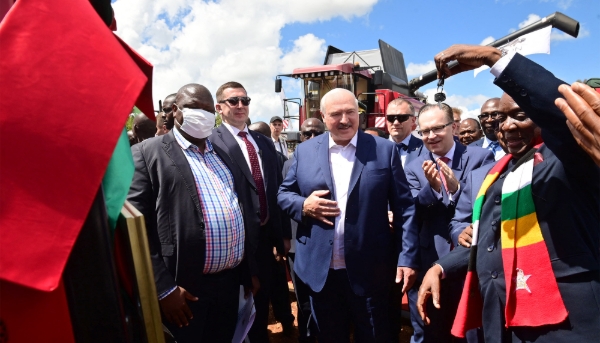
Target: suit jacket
x=565, y=188
x=478, y=143
x=371, y=251
x=222, y=138
x=463, y=214
x=163, y=190
x=414, y=150
x=434, y=214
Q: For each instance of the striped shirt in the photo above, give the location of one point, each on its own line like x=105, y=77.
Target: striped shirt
x=223, y=221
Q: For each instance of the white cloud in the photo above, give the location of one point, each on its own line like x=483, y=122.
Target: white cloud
x=557, y=35
x=218, y=41
x=470, y=104
x=487, y=40
x=415, y=69
x=532, y=18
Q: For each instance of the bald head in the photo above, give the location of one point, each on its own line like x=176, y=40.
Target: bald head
x=262, y=127
x=469, y=131
x=487, y=123
x=143, y=128
x=311, y=127
x=194, y=96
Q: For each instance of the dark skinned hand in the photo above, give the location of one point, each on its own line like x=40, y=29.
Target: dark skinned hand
x=429, y=288
x=466, y=237
x=581, y=106
x=469, y=57
x=175, y=308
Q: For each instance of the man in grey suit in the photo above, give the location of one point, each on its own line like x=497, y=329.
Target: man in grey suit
x=187, y=188
x=400, y=123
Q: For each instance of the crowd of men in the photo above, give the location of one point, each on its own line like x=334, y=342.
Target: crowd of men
x=490, y=226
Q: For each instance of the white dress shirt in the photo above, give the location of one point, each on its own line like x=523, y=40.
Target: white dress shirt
x=450, y=156
x=281, y=146
x=403, y=153
x=234, y=131
x=341, y=162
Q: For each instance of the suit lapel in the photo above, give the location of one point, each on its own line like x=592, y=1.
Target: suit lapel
x=323, y=162
x=173, y=150
x=459, y=160
x=411, y=151
x=235, y=152
x=362, y=151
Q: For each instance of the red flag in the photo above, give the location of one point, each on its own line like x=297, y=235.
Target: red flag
x=67, y=88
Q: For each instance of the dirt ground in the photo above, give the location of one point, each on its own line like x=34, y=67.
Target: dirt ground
x=276, y=335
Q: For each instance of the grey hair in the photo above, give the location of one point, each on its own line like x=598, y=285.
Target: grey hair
x=336, y=90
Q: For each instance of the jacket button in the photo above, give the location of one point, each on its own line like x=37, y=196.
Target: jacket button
x=490, y=248
x=494, y=274
x=505, y=79
x=330, y=242
x=258, y=213
x=202, y=226
x=497, y=200
x=523, y=92
x=494, y=222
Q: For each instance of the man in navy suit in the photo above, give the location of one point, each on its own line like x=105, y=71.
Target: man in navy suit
x=255, y=156
x=565, y=185
x=488, y=121
x=339, y=188
x=434, y=180
x=400, y=122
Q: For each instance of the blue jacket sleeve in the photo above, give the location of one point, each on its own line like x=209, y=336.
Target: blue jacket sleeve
x=288, y=197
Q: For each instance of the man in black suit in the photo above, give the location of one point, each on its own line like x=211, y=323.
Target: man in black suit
x=488, y=121
x=186, y=189
x=400, y=122
x=255, y=157
x=564, y=186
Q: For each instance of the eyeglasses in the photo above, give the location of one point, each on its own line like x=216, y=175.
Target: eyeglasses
x=401, y=118
x=167, y=109
x=233, y=101
x=312, y=133
x=436, y=130
x=490, y=115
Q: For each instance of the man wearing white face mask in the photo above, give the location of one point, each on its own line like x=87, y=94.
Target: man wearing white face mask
x=187, y=190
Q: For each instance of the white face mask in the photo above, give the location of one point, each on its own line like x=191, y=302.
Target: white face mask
x=197, y=123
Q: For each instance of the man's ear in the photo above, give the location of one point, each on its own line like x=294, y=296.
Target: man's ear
x=218, y=108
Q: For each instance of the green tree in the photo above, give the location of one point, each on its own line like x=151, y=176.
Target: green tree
x=218, y=119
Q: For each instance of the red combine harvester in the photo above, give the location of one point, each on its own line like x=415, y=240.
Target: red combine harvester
x=375, y=76
x=378, y=76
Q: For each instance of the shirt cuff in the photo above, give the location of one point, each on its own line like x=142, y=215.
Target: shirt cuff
x=499, y=66
x=164, y=294
x=442, y=268
x=451, y=196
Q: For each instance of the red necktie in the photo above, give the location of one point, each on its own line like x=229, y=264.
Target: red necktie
x=256, y=175
x=445, y=160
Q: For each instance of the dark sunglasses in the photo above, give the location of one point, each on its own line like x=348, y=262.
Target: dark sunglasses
x=485, y=116
x=233, y=101
x=309, y=134
x=401, y=118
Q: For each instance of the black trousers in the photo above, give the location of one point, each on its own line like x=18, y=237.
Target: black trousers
x=215, y=312
x=307, y=329
x=280, y=294
x=264, y=256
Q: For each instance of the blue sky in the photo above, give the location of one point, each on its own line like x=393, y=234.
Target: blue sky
x=252, y=41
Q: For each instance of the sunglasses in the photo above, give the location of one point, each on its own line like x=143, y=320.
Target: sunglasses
x=167, y=109
x=401, y=118
x=233, y=101
x=309, y=134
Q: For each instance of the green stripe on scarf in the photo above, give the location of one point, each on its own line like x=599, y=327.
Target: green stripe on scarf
x=521, y=200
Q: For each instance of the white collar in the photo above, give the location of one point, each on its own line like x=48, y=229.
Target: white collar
x=487, y=141
x=234, y=130
x=352, y=141
x=449, y=154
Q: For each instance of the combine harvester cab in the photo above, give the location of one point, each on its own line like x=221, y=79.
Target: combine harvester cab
x=375, y=76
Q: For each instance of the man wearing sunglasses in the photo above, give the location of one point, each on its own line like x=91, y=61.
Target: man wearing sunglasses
x=434, y=179
x=256, y=157
x=400, y=121
x=489, y=122
x=164, y=120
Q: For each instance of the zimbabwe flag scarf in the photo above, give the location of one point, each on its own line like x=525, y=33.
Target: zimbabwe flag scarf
x=532, y=295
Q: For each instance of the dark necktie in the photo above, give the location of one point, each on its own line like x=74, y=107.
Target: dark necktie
x=402, y=146
x=445, y=160
x=256, y=175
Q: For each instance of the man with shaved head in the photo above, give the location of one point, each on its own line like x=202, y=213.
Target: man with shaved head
x=142, y=128
x=339, y=190
x=187, y=189
x=489, y=123
x=469, y=131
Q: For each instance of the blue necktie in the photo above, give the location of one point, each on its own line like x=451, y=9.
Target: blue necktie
x=402, y=146
x=493, y=146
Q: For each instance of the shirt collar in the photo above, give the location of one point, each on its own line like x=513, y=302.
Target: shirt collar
x=486, y=142
x=352, y=141
x=234, y=130
x=405, y=140
x=185, y=144
x=449, y=154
